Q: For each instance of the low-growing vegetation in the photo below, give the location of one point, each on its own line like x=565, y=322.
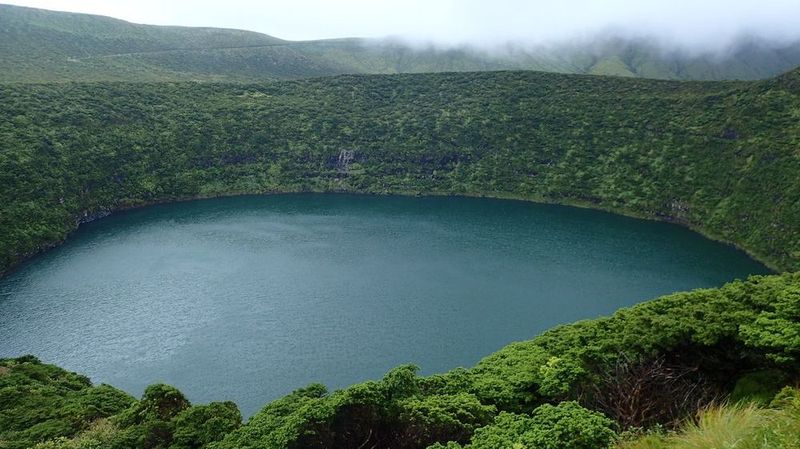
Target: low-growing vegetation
x=740, y=426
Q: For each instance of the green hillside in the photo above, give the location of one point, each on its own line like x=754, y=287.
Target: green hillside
x=46, y=46
x=720, y=157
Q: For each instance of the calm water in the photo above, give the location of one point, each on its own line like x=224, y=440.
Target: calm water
x=249, y=298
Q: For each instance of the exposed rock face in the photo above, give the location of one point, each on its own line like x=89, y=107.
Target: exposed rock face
x=89, y=217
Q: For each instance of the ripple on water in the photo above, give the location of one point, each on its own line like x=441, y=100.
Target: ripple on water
x=249, y=298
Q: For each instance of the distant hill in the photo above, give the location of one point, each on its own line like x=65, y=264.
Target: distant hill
x=47, y=46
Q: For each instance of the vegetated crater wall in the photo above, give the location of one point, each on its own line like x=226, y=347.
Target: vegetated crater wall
x=719, y=157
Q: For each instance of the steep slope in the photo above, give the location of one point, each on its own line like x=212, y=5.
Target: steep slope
x=720, y=157
x=46, y=46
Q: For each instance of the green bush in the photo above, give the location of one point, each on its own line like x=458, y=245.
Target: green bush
x=39, y=402
x=390, y=413
x=201, y=425
x=567, y=425
x=759, y=387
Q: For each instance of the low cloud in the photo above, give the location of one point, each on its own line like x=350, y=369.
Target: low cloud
x=698, y=25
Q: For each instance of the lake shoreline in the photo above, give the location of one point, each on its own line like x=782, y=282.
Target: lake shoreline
x=569, y=202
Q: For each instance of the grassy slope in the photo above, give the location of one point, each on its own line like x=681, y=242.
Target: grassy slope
x=719, y=157
x=46, y=46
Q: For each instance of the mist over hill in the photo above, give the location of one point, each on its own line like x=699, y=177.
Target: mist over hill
x=46, y=46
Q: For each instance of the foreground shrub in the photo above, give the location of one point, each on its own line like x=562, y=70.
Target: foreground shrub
x=567, y=425
x=100, y=435
x=201, y=425
x=390, y=413
x=708, y=337
x=39, y=402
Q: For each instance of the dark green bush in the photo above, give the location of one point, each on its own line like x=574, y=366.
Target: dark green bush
x=39, y=402
x=567, y=425
x=201, y=425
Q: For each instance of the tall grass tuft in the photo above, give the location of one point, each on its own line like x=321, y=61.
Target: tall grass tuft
x=733, y=426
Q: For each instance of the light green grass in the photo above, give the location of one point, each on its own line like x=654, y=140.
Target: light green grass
x=736, y=426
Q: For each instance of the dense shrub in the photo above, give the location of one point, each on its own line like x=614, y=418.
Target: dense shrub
x=390, y=413
x=567, y=425
x=201, y=425
x=719, y=157
x=39, y=402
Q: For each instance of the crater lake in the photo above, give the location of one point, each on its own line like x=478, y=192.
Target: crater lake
x=248, y=298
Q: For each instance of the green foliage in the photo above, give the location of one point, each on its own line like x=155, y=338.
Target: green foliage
x=49, y=408
x=567, y=425
x=390, y=413
x=159, y=403
x=100, y=435
x=777, y=327
x=39, y=402
x=759, y=387
x=733, y=426
x=164, y=419
x=558, y=376
x=718, y=157
x=442, y=418
x=199, y=426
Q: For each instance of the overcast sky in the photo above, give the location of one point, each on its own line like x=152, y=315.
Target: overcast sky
x=706, y=23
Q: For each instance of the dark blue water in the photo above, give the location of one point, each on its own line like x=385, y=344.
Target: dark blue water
x=249, y=298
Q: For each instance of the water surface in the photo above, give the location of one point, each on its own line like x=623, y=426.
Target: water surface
x=249, y=298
